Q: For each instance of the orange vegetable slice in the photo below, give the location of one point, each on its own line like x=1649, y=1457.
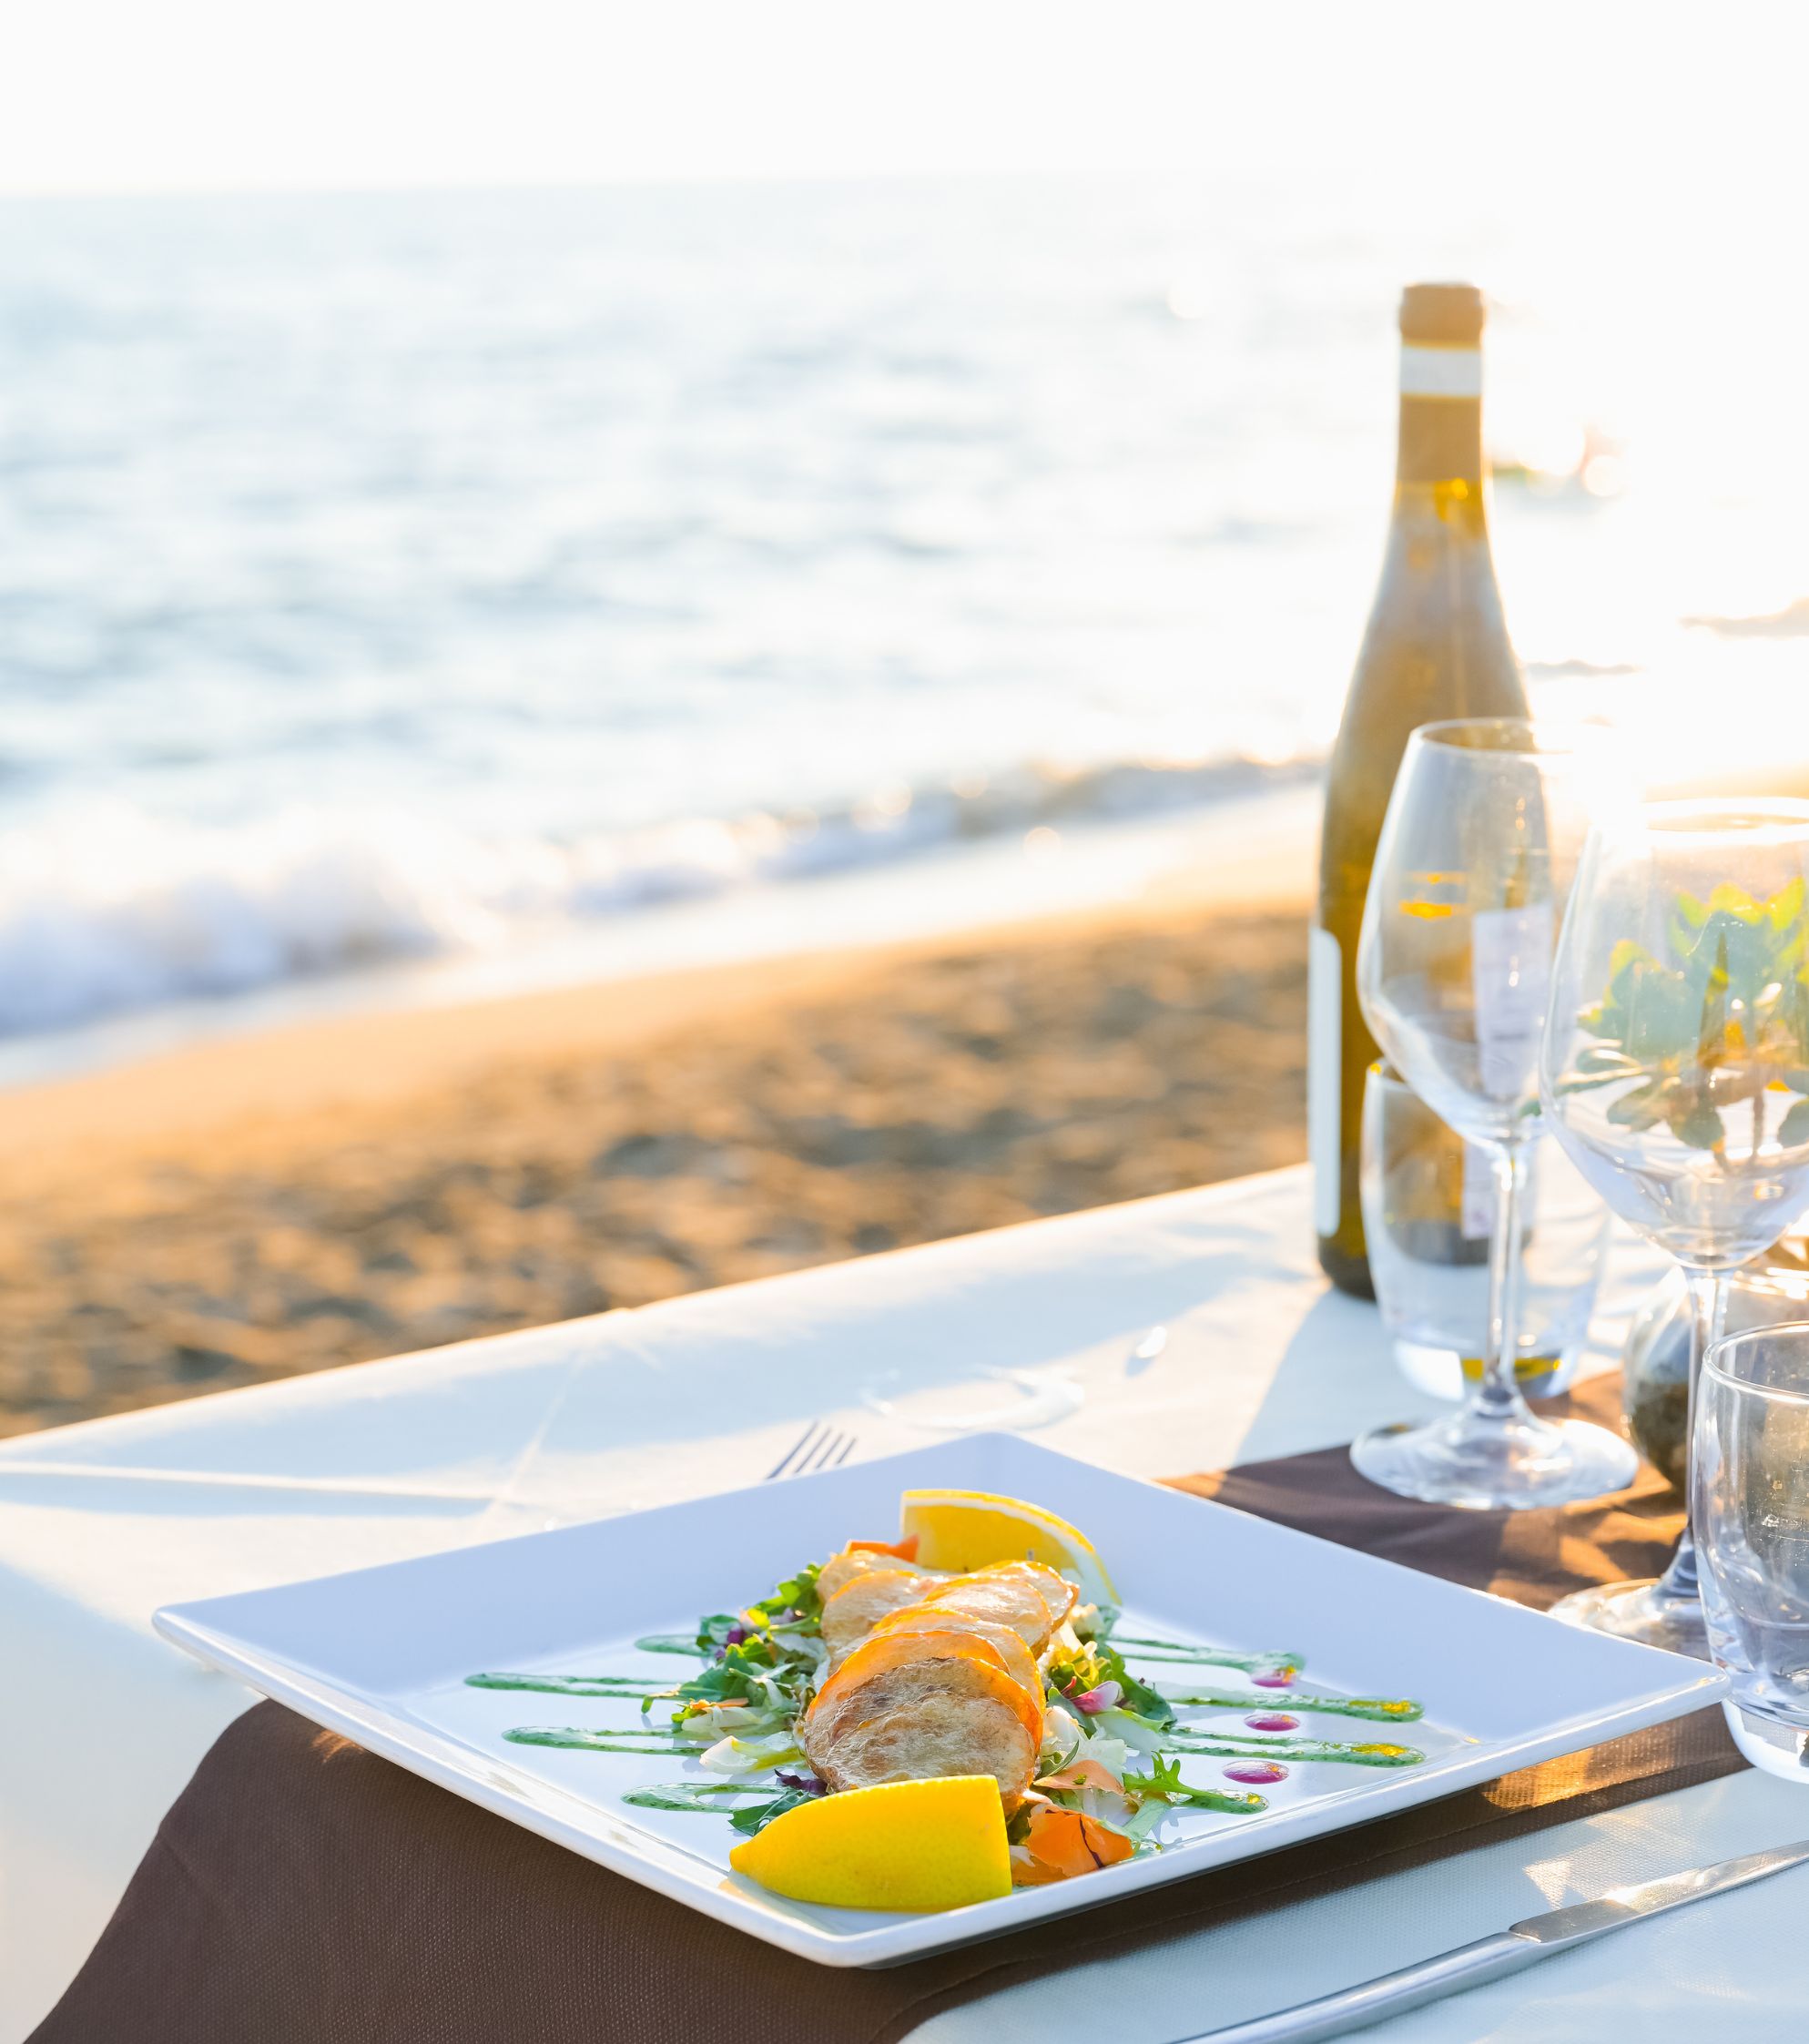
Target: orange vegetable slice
x=1082, y=1774
x=1069, y=1842
x=1029, y=1872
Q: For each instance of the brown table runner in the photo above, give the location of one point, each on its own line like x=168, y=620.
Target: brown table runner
x=301, y=1891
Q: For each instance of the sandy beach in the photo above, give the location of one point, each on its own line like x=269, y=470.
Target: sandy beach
x=259, y=1206
x=256, y=1205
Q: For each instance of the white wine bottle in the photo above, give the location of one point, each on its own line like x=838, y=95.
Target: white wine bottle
x=1436, y=647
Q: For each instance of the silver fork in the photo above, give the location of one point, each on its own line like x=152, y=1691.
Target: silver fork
x=818, y=1447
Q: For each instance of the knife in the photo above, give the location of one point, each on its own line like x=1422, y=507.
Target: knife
x=1523, y=1944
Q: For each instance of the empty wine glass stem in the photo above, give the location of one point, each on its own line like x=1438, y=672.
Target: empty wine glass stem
x=1498, y=1395
x=1708, y=1297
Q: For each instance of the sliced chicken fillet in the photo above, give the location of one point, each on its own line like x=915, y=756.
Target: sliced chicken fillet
x=890, y=1681
x=840, y=1570
x=1001, y=1600
x=924, y=1739
x=865, y=1598
x=1019, y=1662
x=1055, y=1591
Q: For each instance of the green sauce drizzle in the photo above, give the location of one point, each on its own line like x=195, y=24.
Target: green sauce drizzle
x=1234, y=1748
x=1209, y=1657
x=572, y=1685
x=1399, y=1710
x=606, y=1739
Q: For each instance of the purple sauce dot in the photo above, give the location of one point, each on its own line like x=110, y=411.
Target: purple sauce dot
x=1272, y=1721
x=1255, y=1771
x=1279, y=1678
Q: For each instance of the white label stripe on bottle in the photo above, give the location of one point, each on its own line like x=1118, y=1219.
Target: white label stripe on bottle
x=1324, y=1054
x=1511, y=976
x=1441, y=372
x=1476, y=1222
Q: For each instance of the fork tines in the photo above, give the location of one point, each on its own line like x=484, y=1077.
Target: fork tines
x=819, y=1446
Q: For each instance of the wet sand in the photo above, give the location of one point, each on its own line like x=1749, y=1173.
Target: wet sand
x=254, y=1208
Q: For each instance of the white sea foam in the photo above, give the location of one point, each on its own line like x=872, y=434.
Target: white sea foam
x=109, y=910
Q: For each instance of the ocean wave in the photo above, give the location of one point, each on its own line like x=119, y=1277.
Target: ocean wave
x=1580, y=670
x=111, y=908
x=1789, y=622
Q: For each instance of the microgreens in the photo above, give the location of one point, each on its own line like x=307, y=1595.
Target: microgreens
x=794, y=1606
x=1081, y=1679
x=1163, y=1784
x=753, y=1807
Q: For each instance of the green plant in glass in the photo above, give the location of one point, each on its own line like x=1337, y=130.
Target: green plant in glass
x=1727, y=1022
x=1675, y=1070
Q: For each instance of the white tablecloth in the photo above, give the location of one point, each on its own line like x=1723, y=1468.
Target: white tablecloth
x=101, y=1723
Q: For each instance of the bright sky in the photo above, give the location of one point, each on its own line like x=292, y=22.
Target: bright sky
x=124, y=95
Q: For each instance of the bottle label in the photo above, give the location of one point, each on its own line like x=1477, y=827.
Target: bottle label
x=1510, y=977
x=1480, y=1193
x=1479, y=1196
x=1324, y=1065
x=1441, y=372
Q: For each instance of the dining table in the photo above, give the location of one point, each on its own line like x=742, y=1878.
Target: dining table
x=1188, y=1332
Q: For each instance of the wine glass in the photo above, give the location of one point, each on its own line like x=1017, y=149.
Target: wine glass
x=1676, y=1074
x=1477, y=853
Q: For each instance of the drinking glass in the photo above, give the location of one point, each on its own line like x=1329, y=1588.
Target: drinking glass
x=1429, y=1212
x=1676, y=1073
x=1476, y=856
x=1750, y=1493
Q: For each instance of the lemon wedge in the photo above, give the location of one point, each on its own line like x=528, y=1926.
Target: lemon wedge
x=969, y=1528
x=936, y=1845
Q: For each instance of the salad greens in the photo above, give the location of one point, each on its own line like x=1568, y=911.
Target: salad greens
x=1094, y=1678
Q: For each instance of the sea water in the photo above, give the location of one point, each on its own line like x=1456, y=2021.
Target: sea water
x=435, y=576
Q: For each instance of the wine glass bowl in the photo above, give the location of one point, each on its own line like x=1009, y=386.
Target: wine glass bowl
x=1454, y=963
x=1680, y=1058
x=1478, y=850
x=1675, y=1073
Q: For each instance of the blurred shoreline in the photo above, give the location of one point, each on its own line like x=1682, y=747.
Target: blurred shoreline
x=264, y=1204
x=767, y=1081
x=1260, y=823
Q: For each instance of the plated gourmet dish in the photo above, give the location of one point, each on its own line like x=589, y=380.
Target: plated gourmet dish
x=929, y=1721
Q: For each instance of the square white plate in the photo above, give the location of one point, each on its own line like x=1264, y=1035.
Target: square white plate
x=380, y=1654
